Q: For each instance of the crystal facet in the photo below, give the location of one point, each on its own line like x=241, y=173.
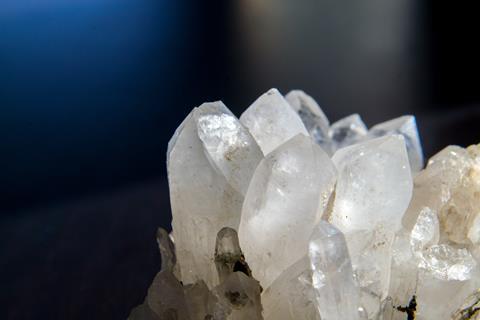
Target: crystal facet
x=272, y=121
x=374, y=184
x=287, y=196
x=407, y=127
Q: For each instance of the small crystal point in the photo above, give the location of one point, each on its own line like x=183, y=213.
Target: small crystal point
x=336, y=293
x=287, y=196
x=228, y=145
x=228, y=255
x=347, y=131
x=312, y=117
x=407, y=127
x=272, y=121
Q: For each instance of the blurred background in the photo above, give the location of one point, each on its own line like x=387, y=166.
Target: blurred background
x=92, y=90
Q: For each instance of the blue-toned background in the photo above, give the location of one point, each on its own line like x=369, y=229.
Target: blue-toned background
x=92, y=90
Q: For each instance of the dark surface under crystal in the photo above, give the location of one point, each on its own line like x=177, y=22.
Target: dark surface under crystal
x=93, y=259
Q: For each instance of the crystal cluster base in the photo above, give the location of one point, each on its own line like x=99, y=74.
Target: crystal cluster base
x=280, y=215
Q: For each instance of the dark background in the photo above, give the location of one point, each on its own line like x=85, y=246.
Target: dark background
x=92, y=90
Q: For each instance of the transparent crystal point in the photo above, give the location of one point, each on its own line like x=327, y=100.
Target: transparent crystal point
x=407, y=127
x=312, y=117
x=374, y=185
x=287, y=196
x=210, y=160
x=228, y=145
x=272, y=121
x=336, y=293
x=347, y=131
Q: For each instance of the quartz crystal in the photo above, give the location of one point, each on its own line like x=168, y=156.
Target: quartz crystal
x=407, y=127
x=335, y=291
x=289, y=191
x=374, y=185
x=312, y=116
x=347, y=131
x=272, y=121
x=210, y=161
x=282, y=216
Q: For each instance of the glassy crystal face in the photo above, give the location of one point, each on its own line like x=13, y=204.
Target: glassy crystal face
x=289, y=191
x=282, y=216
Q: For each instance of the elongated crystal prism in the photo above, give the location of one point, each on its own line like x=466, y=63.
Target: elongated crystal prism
x=335, y=290
x=287, y=196
x=210, y=161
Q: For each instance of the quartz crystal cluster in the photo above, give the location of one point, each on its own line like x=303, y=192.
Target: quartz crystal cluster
x=280, y=215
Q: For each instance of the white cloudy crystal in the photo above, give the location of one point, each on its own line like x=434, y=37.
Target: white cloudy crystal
x=287, y=196
x=272, y=121
x=332, y=275
x=210, y=161
x=434, y=185
x=374, y=184
x=407, y=127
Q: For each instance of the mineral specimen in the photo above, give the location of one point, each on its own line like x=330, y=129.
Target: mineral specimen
x=282, y=216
